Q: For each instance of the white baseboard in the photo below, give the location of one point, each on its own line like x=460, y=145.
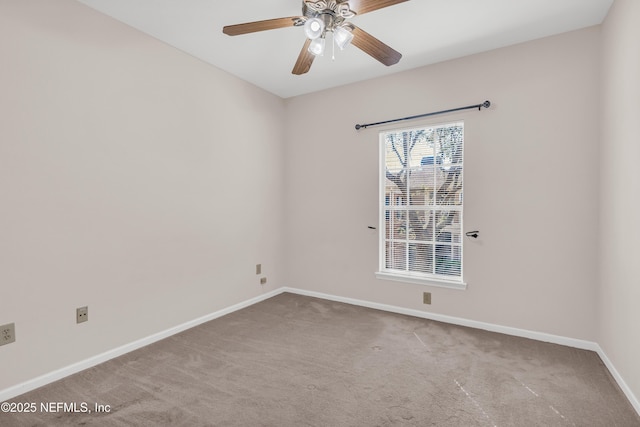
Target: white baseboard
x=621, y=383
x=539, y=336
x=50, y=377
x=93, y=361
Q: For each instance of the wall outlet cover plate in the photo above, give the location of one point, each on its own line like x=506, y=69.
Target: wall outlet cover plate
x=7, y=333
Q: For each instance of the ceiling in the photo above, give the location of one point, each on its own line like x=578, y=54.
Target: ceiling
x=424, y=31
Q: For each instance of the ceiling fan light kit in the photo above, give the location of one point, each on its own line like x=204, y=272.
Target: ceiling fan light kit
x=316, y=28
x=322, y=16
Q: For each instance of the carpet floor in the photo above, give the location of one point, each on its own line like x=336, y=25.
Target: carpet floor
x=300, y=361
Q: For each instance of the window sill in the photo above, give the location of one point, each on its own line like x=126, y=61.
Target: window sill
x=450, y=284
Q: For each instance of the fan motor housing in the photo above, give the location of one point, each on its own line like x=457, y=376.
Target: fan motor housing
x=332, y=13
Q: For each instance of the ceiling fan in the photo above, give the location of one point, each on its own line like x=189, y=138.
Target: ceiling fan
x=322, y=16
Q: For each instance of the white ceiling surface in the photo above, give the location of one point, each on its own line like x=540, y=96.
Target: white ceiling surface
x=424, y=31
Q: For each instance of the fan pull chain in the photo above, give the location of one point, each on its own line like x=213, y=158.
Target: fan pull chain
x=333, y=47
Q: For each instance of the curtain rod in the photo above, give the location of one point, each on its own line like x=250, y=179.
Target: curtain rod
x=485, y=104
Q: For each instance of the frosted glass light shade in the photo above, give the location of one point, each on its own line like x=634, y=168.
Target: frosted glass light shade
x=342, y=37
x=317, y=46
x=313, y=28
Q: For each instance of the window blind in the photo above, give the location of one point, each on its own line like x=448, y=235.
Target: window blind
x=421, y=202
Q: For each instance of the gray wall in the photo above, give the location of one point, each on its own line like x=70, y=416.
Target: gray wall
x=134, y=179
x=531, y=184
x=619, y=292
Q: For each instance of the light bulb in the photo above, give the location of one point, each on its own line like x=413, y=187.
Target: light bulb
x=316, y=47
x=313, y=28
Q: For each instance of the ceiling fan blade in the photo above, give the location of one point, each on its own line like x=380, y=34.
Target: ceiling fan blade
x=269, y=24
x=374, y=47
x=364, y=6
x=305, y=59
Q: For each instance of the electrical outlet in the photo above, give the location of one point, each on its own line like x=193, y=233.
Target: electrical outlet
x=426, y=297
x=263, y=280
x=258, y=268
x=82, y=314
x=7, y=333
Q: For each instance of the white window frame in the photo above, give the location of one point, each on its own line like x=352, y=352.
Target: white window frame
x=420, y=278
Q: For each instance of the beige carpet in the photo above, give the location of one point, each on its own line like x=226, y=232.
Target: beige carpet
x=300, y=361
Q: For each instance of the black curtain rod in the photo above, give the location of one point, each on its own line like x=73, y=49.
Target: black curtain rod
x=485, y=104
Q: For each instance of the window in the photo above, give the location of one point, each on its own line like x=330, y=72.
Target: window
x=421, y=202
